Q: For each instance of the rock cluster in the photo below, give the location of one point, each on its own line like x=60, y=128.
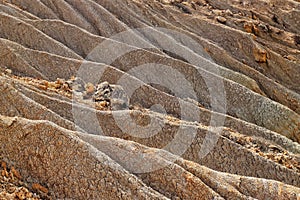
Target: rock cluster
x=105, y=95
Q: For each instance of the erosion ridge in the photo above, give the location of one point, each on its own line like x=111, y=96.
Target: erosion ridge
x=227, y=74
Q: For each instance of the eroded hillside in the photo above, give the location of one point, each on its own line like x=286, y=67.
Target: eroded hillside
x=133, y=99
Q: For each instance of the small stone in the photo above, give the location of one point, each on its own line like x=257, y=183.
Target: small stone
x=263, y=27
x=114, y=95
x=228, y=12
x=166, y=1
x=7, y=122
x=101, y=105
x=275, y=148
x=59, y=81
x=254, y=16
x=221, y=19
x=66, y=87
x=248, y=27
x=43, y=87
x=89, y=88
x=260, y=55
x=103, y=92
x=9, y=71
x=40, y=188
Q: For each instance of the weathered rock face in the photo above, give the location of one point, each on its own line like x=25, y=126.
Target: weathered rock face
x=150, y=99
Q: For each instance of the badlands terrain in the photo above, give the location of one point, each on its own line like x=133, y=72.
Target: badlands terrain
x=150, y=99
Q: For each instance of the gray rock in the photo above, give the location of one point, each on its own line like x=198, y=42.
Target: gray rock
x=113, y=94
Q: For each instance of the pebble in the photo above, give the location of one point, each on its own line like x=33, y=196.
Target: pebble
x=103, y=91
x=228, y=12
x=9, y=71
x=39, y=187
x=89, y=88
x=221, y=19
x=248, y=27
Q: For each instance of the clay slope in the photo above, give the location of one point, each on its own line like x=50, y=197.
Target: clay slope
x=151, y=99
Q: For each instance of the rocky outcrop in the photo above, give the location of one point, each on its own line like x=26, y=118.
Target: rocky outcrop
x=151, y=99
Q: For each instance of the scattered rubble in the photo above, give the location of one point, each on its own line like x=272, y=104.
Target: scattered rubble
x=12, y=186
x=267, y=150
x=103, y=96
